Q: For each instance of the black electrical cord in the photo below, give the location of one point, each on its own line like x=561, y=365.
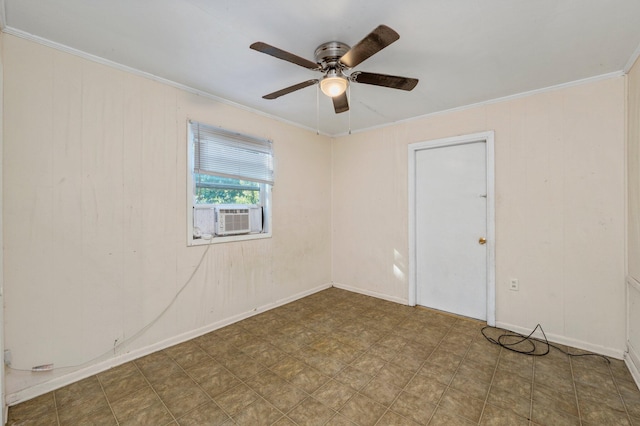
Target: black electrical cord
x=529, y=342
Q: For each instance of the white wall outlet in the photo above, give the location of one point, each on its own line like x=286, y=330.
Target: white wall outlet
x=514, y=284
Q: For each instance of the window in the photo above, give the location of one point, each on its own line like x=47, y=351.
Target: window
x=230, y=179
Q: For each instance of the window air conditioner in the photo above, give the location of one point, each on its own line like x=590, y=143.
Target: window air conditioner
x=230, y=221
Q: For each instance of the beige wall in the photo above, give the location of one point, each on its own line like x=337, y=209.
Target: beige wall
x=95, y=216
x=633, y=236
x=559, y=173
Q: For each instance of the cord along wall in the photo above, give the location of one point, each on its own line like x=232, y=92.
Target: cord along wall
x=95, y=217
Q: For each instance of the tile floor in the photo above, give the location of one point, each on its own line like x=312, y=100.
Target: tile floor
x=339, y=358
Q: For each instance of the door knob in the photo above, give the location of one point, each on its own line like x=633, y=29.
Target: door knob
x=482, y=240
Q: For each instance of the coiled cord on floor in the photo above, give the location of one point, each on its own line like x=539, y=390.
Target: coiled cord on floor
x=528, y=345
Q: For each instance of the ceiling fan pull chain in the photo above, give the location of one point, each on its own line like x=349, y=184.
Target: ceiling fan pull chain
x=317, y=109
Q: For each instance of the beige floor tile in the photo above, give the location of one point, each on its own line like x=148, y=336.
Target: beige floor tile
x=187, y=354
x=507, y=400
x=478, y=356
x=473, y=369
x=426, y=388
x=442, y=373
x=143, y=400
x=325, y=364
x=460, y=404
x=157, y=366
x=208, y=414
x=120, y=386
x=334, y=394
x=443, y=417
x=619, y=370
x=155, y=414
x=276, y=390
x=284, y=421
x=180, y=394
x=631, y=397
x=413, y=407
x=515, y=384
x=309, y=379
x=602, y=413
x=286, y=397
x=521, y=366
x=258, y=413
x=470, y=386
x=557, y=400
x=369, y=362
x=445, y=359
x=546, y=415
x=311, y=412
x=42, y=408
x=354, y=378
x=49, y=418
x=411, y=359
x=242, y=366
x=235, y=399
x=339, y=420
x=589, y=393
x=395, y=375
x=85, y=392
x=393, y=419
x=288, y=367
x=556, y=381
x=86, y=414
x=454, y=347
x=78, y=413
x=381, y=391
x=495, y=416
x=362, y=410
x=213, y=377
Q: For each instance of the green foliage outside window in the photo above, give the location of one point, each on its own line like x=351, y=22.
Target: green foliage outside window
x=222, y=190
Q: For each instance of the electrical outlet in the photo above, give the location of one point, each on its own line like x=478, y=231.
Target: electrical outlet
x=514, y=285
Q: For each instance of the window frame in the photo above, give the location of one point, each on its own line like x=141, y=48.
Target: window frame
x=265, y=200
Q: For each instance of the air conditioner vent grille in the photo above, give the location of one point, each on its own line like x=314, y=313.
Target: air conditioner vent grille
x=232, y=221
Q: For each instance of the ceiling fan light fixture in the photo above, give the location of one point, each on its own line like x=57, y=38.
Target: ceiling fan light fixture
x=333, y=84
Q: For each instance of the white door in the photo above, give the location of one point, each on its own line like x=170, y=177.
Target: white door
x=451, y=228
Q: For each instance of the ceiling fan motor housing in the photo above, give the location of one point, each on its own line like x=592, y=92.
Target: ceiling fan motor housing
x=328, y=54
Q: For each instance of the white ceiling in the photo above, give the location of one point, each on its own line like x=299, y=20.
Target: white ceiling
x=463, y=51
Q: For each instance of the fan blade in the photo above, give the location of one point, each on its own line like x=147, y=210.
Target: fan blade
x=285, y=56
x=341, y=103
x=290, y=89
x=377, y=40
x=391, y=81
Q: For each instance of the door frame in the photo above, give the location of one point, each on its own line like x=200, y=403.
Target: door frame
x=488, y=139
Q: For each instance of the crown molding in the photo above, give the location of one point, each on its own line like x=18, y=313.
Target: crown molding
x=94, y=58
x=580, y=82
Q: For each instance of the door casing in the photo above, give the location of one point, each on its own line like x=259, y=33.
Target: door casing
x=488, y=139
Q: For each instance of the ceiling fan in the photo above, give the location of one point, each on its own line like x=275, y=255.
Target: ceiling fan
x=333, y=58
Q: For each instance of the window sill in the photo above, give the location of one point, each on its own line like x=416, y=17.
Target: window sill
x=228, y=239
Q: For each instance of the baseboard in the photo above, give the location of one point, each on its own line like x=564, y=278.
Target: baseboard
x=371, y=293
x=632, y=359
x=563, y=340
x=60, y=381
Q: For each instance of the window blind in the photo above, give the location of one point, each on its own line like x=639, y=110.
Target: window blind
x=219, y=152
